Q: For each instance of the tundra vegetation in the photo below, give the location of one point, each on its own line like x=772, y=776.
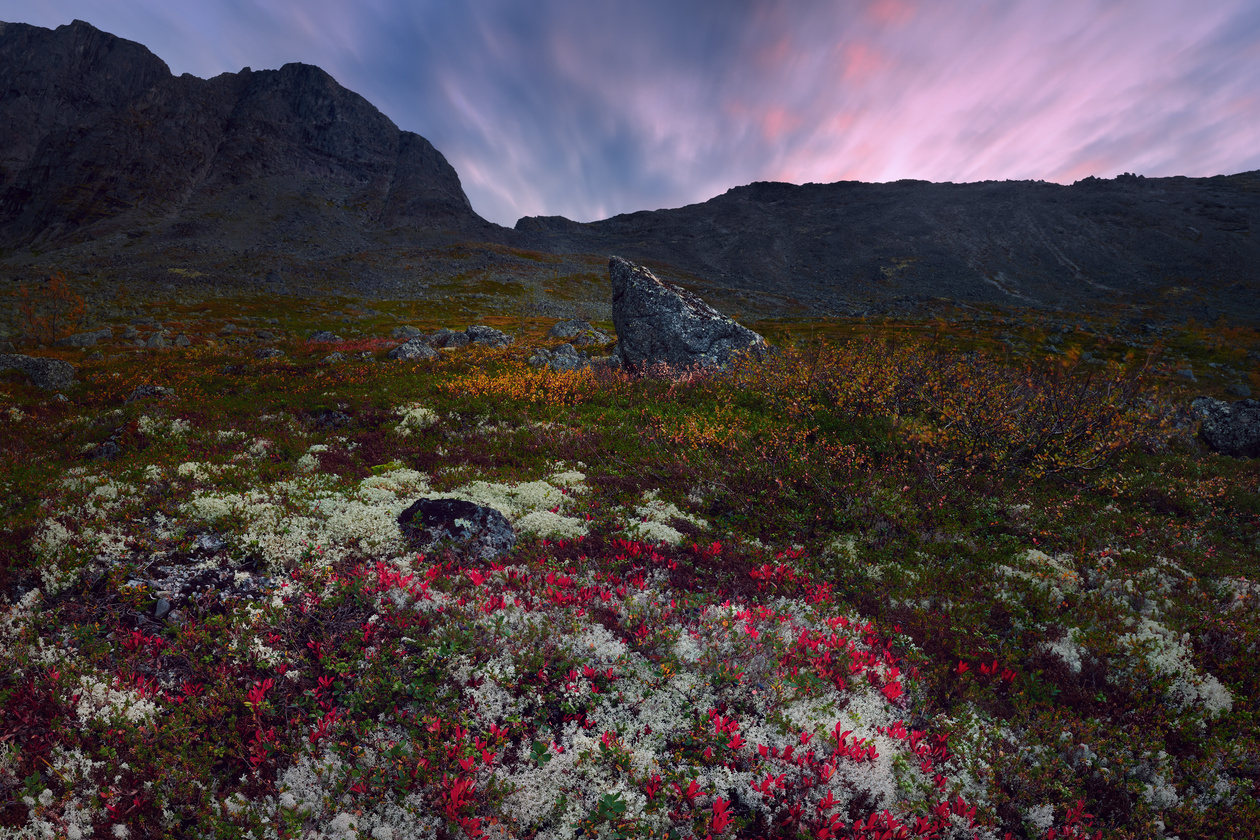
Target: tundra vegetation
x=913, y=579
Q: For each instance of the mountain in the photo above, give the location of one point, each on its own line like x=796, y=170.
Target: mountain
x=843, y=246
x=101, y=138
x=117, y=170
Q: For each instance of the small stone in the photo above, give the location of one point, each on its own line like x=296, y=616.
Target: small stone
x=145, y=391
x=488, y=336
x=415, y=349
x=331, y=419
x=406, y=333
x=208, y=542
x=323, y=336
x=1238, y=389
x=162, y=608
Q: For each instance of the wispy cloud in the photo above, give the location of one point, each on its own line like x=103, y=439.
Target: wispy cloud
x=588, y=108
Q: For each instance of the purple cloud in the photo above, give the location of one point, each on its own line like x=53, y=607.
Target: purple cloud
x=587, y=109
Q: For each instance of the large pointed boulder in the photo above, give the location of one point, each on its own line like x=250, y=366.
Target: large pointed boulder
x=661, y=326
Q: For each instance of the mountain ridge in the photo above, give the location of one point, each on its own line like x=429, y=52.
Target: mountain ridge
x=110, y=139
x=117, y=166
x=1017, y=242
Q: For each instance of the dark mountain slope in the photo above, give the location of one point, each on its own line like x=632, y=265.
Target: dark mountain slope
x=116, y=169
x=100, y=137
x=843, y=246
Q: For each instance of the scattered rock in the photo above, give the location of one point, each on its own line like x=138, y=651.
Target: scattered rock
x=50, y=374
x=1229, y=428
x=208, y=543
x=449, y=338
x=157, y=341
x=183, y=341
x=660, y=325
x=268, y=353
x=479, y=532
x=581, y=333
x=564, y=357
x=1187, y=372
x=334, y=357
x=420, y=346
x=329, y=418
x=86, y=339
x=144, y=391
x=488, y=336
x=324, y=335
x=1238, y=389
x=107, y=451
x=406, y=333
x=414, y=349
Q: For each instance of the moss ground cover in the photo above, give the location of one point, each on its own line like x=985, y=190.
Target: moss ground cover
x=912, y=580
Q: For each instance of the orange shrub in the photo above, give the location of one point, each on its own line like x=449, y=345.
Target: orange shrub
x=50, y=312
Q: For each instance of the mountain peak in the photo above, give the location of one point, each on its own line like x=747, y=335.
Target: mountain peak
x=106, y=139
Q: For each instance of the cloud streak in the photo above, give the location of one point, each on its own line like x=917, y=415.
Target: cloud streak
x=589, y=108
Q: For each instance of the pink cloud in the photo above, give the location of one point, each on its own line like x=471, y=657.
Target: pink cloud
x=891, y=12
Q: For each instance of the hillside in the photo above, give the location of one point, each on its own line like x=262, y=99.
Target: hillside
x=1131, y=244
x=119, y=173
x=105, y=141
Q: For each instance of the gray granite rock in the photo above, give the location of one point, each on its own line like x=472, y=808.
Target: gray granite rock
x=663, y=327
x=323, y=335
x=145, y=391
x=564, y=357
x=478, y=532
x=86, y=339
x=488, y=336
x=1230, y=428
x=580, y=332
x=415, y=349
x=43, y=373
x=406, y=333
x=449, y=338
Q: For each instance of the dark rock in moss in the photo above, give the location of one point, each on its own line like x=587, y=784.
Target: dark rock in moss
x=1230, y=428
x=479, y=532
x=50, y=374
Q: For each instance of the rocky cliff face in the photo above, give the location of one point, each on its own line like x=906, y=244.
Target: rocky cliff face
x=845, y=246
x=101, y=138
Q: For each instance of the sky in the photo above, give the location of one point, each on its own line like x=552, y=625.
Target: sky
x=590, y=108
